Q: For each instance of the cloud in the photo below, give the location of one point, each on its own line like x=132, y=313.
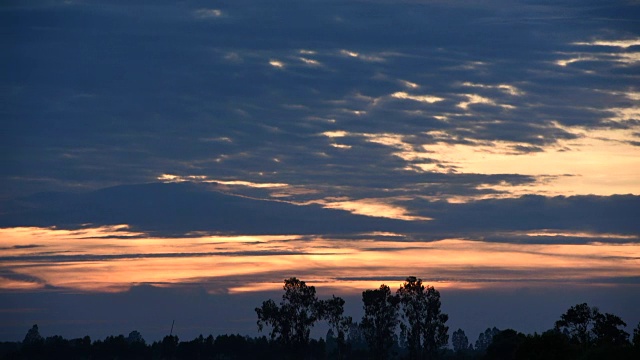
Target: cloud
x=264, y=116
x=226, y=135
x=420, y=98
x=189, y=208
x=509, y=89
x=184, y=207
x=613, y=43
x=208, y=13
x=383, y=208
x=169, y=178
x=252, y=263
x=604, y=214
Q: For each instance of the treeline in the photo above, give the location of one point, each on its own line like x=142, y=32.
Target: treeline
x=407, y=324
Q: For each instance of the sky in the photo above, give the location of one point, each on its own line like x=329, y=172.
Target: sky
x=176, y=160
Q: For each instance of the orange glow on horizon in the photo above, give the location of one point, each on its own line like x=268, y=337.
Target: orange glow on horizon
x=73, y=260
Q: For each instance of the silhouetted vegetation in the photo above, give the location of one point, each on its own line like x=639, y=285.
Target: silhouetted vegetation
x=404, y=325
x=423, y=325
x=380, y=320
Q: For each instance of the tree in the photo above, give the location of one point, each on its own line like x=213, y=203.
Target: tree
x=460, y=340
x=505, y=345
x=33, y=336
x=380, y=320
x=291, y=322
x=169, y=346
x=636, y=337
x=332, y=310
x=355, y=337
x=606, y=330
x=33, y=344
x=577, y=323
x=423, y=323
x=135, y=338
x=485, y=339
x=550, y=345
x=586, y=326
x=137, y=345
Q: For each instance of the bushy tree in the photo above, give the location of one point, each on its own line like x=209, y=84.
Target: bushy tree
x=577, y=323
x=423, y=323
x=607, y=330
x=636, y=337
x=135, y=338
x=505, y=345
x=292, y=320
x=33, y=343
x=485, y=338
x=550, y=345
x=459, y=340
x=169, y=346
x=332, y=310
x=586, y=326
x=33, y=336
x=380, y=320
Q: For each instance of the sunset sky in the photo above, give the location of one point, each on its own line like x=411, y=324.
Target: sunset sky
x=176, y=160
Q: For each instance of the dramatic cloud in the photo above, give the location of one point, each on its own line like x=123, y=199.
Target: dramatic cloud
x=232, y=145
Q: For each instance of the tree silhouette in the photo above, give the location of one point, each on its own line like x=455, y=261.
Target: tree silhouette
x=33, y=336
x=485, y=339
x=423, y=324
x=550, y=345
x=33, y=343
x=577, y=323
x=606, y=330
x=135, y=338
x=636, y=337
x=291, y=322
x=380, y=320
x=459, y=340
x=505, y=345
x=332, y=310
x=169, y=346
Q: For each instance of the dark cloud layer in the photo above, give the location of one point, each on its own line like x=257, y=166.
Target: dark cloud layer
x=178, y=209
x=334, y=101
x=182, y=208
x=102, y=94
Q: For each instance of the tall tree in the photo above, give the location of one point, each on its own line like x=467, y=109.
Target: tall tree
x=422, y=321
x=292, y=321
x=33, y=336
x=485, y=339
x=459, y=340
x=577, y=323
x=332, y=310
x=380, y=320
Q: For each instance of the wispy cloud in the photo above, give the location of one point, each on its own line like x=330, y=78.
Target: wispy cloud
x=208, y=13
x=457, y=263
x=612, y=43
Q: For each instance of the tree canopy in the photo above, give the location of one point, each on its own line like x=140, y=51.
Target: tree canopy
x=380, y=320
x=423, y=324
x=291, y=322
x=582, y=332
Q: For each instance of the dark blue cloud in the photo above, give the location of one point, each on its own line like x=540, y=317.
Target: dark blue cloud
x=99, y=99
x=102, y=94
x=181, y=208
